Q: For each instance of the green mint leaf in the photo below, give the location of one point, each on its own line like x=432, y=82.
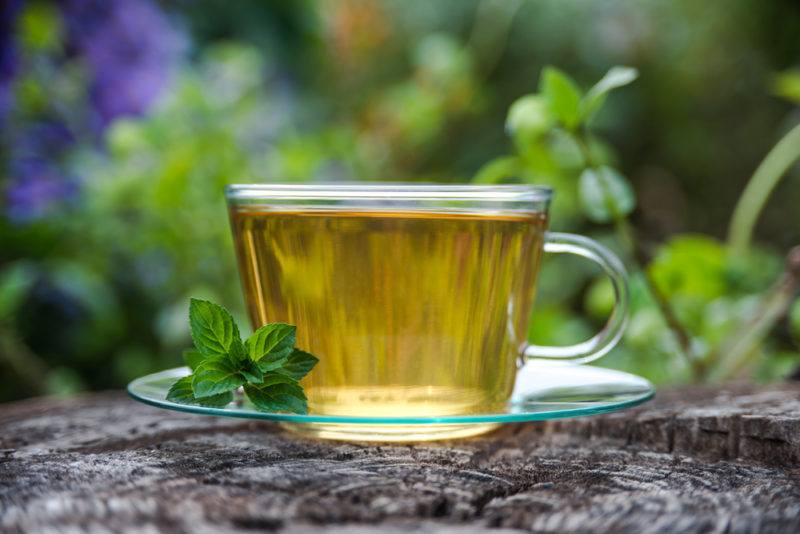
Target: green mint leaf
x=596, y=96
x=278, y=393
x=192, y=358
x=213, y=328
x=251, y=371
x=298, y=364
x=275, y=340
x=562, y=95
x=271, y=362
x=267, y=364
x=238, y=352
x=605, y=194
x=216, y=375
x=181, y=392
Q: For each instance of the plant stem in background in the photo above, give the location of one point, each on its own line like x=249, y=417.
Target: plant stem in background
x=760, y=186
x=732, y=358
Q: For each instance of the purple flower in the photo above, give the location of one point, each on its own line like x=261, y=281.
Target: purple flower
x=131, y=48
x=47, y=140
x=36, y=188
x=35, y=185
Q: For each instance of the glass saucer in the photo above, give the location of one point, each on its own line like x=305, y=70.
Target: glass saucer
x=543, y=390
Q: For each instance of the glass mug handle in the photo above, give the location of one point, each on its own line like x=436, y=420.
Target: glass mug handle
x=609, y=336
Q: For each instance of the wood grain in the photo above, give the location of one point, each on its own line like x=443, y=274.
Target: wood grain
x=691, y=461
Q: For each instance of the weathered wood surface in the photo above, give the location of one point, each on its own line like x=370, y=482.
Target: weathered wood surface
x=691, y=461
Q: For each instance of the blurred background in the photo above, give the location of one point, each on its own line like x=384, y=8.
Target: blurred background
x=122, y=120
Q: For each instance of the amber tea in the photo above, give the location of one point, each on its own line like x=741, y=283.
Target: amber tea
x=411, y=313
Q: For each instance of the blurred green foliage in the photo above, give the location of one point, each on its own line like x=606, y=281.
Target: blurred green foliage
x=719, y=301
x=94, y=289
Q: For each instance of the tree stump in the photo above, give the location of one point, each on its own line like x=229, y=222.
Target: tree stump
x=693, y=460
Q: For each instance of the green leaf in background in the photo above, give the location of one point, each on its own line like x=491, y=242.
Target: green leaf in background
x=690, y=266
x=787, y=85
x=216, y=375
x=298, y=365
x=599, y=300
x=562, y=95
x=752, y=271
x=278, y=393
x=213, y=328
x=528, y=119
x=182, y=392
x=565, y=148
x=16, y=280
x=498, y=170
x=596, y=96
x=275, y=340
x=605, y=194
x=556, y=326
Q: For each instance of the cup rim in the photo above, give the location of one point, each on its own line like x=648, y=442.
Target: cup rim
x=383, y=191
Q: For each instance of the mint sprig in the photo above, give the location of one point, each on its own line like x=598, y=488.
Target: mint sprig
x=267, y=365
